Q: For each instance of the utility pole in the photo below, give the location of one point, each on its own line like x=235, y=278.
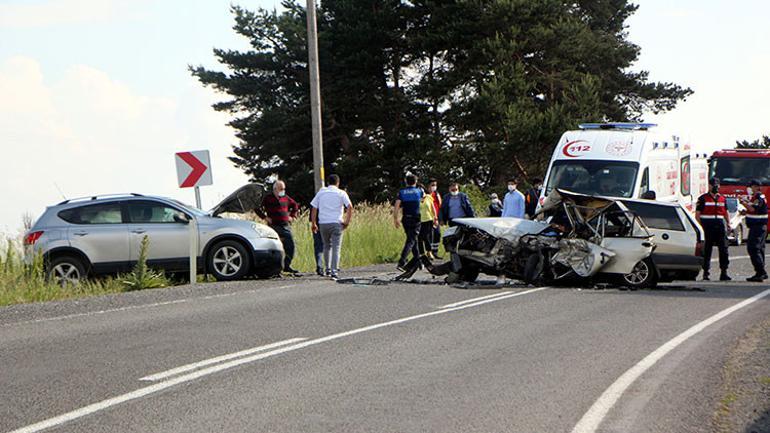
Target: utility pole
x=315, y=95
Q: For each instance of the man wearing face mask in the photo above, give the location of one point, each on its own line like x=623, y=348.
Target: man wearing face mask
x=532, y=196
x=495, y=206
x=514, y=202
x=711, y=213
x=279, y=210
x=455, y=205
x=756, y=220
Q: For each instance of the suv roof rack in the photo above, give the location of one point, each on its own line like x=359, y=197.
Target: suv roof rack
x=98, y=196
x=618, y=125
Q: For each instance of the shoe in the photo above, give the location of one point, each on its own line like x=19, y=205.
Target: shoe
x=725, y=277
x=763, y=276
x=401, y=267
x=320, y=272
x=328, y=273
x=755, y=279
x=290, y=270
x=335, y=276
x=706, y=276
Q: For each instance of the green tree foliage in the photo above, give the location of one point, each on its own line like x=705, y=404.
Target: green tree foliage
x=467, y=90
x=763, y=143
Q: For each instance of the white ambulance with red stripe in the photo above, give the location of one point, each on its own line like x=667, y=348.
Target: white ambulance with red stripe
x=627, y=160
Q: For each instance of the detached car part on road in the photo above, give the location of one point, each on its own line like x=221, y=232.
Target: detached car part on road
x=102, y=235
x=580, y=238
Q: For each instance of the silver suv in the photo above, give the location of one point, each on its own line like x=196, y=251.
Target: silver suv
x=102, y=235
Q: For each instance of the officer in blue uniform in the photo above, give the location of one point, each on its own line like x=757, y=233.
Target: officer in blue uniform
x=408, y=201
x=756, y=220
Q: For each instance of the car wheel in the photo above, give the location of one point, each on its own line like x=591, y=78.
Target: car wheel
x=228, y=260
x=642, y=276
x=66, y=271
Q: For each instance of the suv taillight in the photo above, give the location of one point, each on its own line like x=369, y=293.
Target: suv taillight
x=699, y=249
x=32, y=237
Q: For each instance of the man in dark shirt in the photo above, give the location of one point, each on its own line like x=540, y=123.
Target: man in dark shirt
x=531, y=198
x=756, y=220
x=279, y=210
x=408, y=201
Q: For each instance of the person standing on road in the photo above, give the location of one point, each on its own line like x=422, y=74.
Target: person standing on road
x=428, y=221
x=331, y=212
x=532, y=197
x=433, y=190
x=279, y=210
x=514, y=202
x=318, y=250
x=756, y=220
x=711, y=213
x=408, y=202
x=455, y=205
x=495, y=206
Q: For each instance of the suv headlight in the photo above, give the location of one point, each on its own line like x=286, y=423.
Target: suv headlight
x=265, y=231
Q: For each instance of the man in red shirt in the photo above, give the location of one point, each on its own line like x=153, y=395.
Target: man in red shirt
x=711, y=213
x=279, y=210
x=433, y=190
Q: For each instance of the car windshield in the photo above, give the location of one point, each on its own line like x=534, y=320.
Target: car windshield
x=740, y=171
x=192, y=209
x=732, y=204
x=591, y=177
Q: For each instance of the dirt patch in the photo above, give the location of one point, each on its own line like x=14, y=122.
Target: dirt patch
x=745, y=403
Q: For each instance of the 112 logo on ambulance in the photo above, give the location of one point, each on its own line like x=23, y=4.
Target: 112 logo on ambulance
x=575, y=148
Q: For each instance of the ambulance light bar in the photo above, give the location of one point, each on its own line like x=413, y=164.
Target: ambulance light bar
x=618, y=125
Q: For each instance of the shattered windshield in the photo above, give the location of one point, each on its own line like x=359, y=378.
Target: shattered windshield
x=592, y=177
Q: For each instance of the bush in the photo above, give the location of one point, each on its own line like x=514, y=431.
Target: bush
x=142, y=277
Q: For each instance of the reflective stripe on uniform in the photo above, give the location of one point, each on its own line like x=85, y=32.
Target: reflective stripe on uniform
x=711, y=203
x=712, y=217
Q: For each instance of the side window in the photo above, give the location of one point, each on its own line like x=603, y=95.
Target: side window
x=685, y=175
x=645, y=186
x=107, y=213
x=150, y=212
x=657, y=216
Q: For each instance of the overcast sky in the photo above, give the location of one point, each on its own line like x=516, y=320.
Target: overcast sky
x=95, y=96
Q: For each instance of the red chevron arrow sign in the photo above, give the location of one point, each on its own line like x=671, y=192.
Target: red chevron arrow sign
x=193, y=168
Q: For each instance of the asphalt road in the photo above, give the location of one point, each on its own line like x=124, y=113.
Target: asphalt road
x=375, y=358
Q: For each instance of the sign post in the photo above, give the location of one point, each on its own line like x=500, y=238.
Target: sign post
x=193, y=169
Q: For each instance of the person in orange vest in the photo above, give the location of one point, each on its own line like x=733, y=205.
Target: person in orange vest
x=433, y=190
x=711, y=213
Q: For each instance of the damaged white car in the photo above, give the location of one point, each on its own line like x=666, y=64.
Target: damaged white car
x=579, y=237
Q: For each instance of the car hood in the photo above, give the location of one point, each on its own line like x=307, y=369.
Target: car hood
x=510, y=229
x=245, y=199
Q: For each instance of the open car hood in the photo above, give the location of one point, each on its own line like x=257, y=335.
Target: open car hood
x=510, y=229
x=244, y=199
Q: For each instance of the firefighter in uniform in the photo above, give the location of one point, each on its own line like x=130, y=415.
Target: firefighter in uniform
x=756, y=220
x=711, y=213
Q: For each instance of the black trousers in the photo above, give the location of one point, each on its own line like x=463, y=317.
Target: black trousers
x=755, y=245
x=287, y=239
x=436, y=239
x=412, y=229
x=715, y=234
x=426, y=237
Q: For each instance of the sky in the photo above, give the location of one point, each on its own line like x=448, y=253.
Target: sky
x=95, y=95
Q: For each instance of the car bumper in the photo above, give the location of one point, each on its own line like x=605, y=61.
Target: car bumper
x=268, y=257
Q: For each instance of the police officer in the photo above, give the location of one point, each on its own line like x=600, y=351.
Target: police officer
x=711, y=213
x=756, y=220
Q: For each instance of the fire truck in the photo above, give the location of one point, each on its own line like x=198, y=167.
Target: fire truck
x=735, y=168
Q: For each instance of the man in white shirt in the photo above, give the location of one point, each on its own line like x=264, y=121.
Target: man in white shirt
x=330, y=213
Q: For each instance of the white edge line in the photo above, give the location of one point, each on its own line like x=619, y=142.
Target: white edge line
x=134, y=307
x=591, y=420
x=160, y=386
x=216, y=360
x=468, y=301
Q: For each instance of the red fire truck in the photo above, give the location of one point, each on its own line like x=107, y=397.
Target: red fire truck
x=735, y=168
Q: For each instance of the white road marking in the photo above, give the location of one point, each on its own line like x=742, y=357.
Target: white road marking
x=591, y=420
x=160, y=386
x=716, y=259
x=216, y=360
x=468, y=301
x=135, y=307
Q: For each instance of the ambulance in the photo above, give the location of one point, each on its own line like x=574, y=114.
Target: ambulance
x=626, y=160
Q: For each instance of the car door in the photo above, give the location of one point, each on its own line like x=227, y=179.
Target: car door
x=99, y=231
x=626, y=236
x=167, y=230
x=666, y=223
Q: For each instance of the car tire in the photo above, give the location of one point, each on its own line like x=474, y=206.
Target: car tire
x=66, y=271
x=643, y=276
x=228, y=260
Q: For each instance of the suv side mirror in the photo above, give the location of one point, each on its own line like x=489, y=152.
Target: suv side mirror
x=182, y=219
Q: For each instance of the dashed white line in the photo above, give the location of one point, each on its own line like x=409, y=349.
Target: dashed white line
x=218, y=359
x=591, y=420
x=160, y=386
